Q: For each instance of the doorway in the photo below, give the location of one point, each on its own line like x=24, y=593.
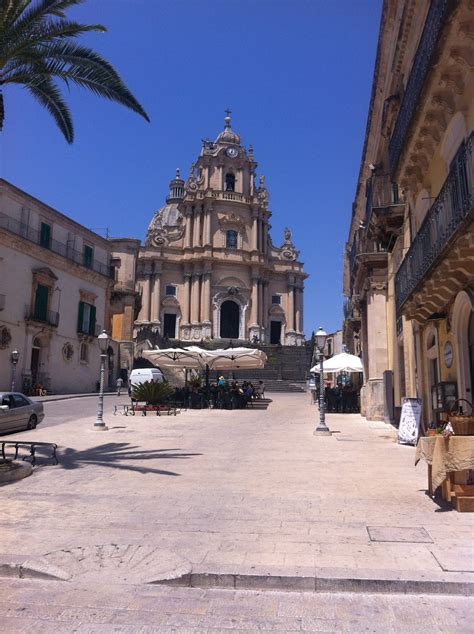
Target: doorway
x=35, y=360
x=275, y=332
x=230, y=317
x=169, y=325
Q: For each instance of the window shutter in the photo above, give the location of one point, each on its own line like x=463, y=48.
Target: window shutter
x=80, y=317
x=92, y=321
x=41, y=302
x=45, y=236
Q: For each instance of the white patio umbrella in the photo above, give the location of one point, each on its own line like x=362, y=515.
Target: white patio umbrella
x=186, y=358
x=234, y=358
x=343, y=362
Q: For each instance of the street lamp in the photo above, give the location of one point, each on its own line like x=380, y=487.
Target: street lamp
x=103, y=340
x=321, y=429
x=15, y=355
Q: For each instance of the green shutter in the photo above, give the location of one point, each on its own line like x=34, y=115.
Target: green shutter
x=92, y=321
x=45, y=235
x=41, y=302
x=80, y=317
x=88, y=256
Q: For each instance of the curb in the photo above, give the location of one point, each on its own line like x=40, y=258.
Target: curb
x=320, y=583
x=21, y=568
x=66, y=397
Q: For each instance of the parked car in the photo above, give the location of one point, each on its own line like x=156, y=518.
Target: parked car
x=142, y=375
x=18, y=412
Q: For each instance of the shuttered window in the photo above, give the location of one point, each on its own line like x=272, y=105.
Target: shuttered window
x=45, y=235
x=88, y=256
x=41, y=302
x=86, y=319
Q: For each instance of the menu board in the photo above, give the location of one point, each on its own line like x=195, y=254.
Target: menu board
x=410, y=419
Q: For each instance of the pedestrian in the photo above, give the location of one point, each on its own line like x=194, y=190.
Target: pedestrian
x=119, y=384
x=260, y=390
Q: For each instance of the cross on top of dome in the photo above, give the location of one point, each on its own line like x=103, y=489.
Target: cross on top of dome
x=228, y=135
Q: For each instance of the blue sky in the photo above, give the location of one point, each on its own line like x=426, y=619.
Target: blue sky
x=297, y=76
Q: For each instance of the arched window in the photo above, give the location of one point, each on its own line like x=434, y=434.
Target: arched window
x=231, y=239
x=229, y=183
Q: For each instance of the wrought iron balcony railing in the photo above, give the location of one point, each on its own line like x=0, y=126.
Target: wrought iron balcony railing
x=452, y=206
x=42, y=316
x=382, y=193
x=65, y=250
x=438, y=12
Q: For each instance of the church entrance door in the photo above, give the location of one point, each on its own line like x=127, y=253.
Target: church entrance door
x=230, y=317
x=275, y=331
x=169, y=326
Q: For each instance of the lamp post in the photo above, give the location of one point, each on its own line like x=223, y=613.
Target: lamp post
x=322, y=428
x=103, y=340
x=15, y=355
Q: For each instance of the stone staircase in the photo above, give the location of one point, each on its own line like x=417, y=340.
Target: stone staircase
x=287, y=367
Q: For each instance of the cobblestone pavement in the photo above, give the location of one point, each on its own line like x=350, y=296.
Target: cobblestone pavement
x=27, y=606
x=241, y=492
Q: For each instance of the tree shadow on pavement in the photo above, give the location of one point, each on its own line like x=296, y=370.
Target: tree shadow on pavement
x=120, y=455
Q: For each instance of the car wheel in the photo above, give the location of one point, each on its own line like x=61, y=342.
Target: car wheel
x=33, y=421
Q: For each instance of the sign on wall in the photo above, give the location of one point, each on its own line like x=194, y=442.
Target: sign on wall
x=410, y=419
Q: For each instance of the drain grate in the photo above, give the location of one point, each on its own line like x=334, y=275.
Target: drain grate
x=411, y=534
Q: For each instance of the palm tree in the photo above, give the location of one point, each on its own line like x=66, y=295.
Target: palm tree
x=37, y=47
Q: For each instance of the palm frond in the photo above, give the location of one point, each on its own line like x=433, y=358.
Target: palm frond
x=44, y=90
x=36, y=47
x=17, y=42
x=79, y=65
x=11, y=9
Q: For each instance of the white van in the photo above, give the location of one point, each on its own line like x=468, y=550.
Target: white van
x=142, y=375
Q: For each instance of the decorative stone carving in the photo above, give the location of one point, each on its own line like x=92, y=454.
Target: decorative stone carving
x=463, y=55
x=287, y=250
x=453, y=81
x=262, y=192
x=227, y=221
x=378, y=285
x=444, y=101
x=5, y=337
x=68, y=351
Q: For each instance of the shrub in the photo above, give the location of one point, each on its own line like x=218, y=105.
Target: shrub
x=152, y=392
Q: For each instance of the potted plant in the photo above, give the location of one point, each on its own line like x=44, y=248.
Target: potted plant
x=152, y=393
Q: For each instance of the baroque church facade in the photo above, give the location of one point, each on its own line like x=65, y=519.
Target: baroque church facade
x=208, y=268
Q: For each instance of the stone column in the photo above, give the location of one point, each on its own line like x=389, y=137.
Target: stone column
x=188, y=229
x=145, y=313
x=377, y=348
x=186, y=300
x=206, y=297
x=156, y=296
x=297, y=309
x=291, y=308
x=197, y=228
x=207, y=226
x=254, y=307
x=266, y=306
x=255, y=232
x=264, y=236
x=195, y=292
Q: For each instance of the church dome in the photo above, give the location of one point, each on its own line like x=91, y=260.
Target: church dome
x=228, y=135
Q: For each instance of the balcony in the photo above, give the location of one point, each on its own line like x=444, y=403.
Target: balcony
x=423, y=61
x=48, y=317
x=385, y=209
x=444, y=221
x=64, y=250
x=366, y=254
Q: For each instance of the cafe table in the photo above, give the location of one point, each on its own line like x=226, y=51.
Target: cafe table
x=444, y=456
